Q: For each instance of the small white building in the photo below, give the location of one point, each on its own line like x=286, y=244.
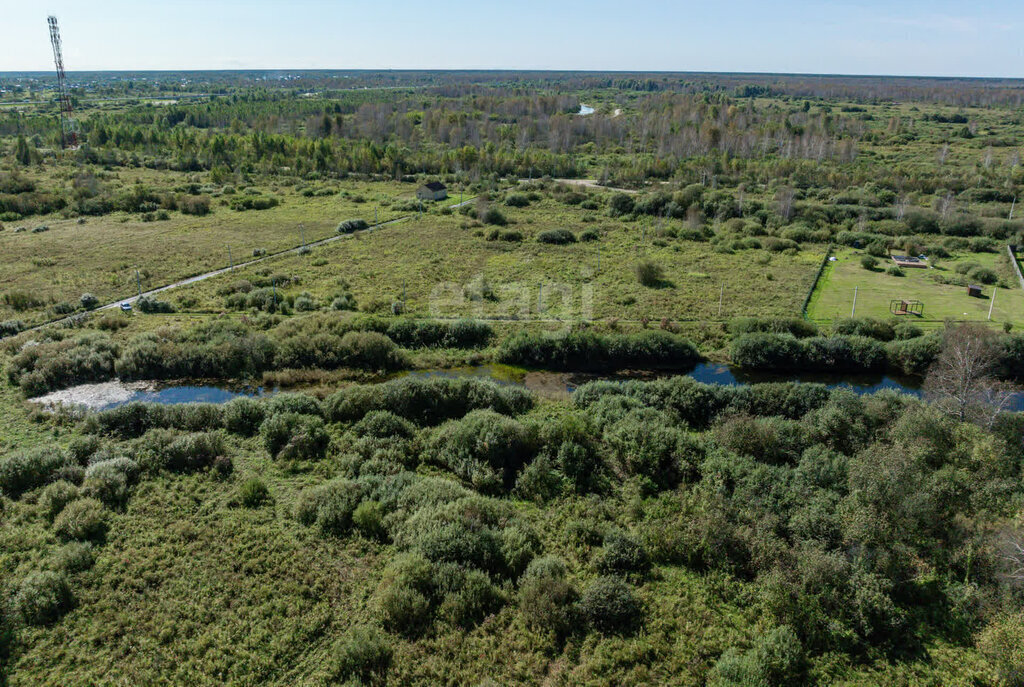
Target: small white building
x=433, y=190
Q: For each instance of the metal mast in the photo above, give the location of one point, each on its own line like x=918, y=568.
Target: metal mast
x=68, y=139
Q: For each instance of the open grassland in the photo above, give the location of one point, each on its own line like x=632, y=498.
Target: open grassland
x=833, y=297
x=438, y=262
x=100, y=255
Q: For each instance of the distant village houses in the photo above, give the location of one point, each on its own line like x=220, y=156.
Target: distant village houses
x=433, y=190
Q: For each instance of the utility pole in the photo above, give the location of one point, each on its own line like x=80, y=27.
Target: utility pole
x=853, y=313
x=231, y=263
x=68, y=138
x=991, y=304
x=1012, y=205
x=721, y=296
x=138, y=282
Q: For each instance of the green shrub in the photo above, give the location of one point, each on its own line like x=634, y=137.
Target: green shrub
x=89, y=301
x=192, y=452
x=109, y=481
x=74, y=557
x=25, y=470
x=894, y=271
x=517, y=200
x=903, y=331
x=865, y=326
x=644, y=444
x=519, y=545
x=242, y=203
x=590, y=235
x=540, y=481
x=869, y=262
x=424, y=334
x=777, y=659
x=649, y=273
x=405, y=610
x=610, y=607
x=368, y=517
x=914, y=356
x=194, y=417
x=783, y=352
x=243, y=416
x=127, y=421
x=556, y=236
x=57, y=364
x=346, y=301
x=484, y=448
x=152, y=305
x=291, y=436
x=384, y=424
x=468, y=596
x=218, y=349
x=546, y=598
x=586, y=350
x=351, y=225
x=253, y=493
x=330, y=506
x=983, y=275
x=369, y=350
x=494, y=216
x=426, y=401
x=10, y=327
x=623, y=555
x=81, y=520
x=769, y=439
x=774, y=325
x=301, y=404
x=43, y=597
x=362, y=655
x=55, y=496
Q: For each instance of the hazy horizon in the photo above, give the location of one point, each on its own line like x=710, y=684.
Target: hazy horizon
x=868, y=38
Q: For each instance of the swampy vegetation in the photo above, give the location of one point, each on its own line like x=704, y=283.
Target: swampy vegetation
x=604, y=415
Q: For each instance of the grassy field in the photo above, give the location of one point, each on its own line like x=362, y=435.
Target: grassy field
x=432, y=258
x=833, y=297
x=101, y=255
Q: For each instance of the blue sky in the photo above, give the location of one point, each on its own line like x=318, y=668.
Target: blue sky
x=914, y=37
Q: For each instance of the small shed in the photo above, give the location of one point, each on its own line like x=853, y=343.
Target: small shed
x=974, y=290
x=433, y=190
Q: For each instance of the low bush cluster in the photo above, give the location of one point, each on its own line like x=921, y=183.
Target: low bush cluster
x=352, y=225
x=773, y=325
x=556, y=236
x=587, y=350
x=64, y=362
x=220, y=349
x=426, y=400
x=784, y=352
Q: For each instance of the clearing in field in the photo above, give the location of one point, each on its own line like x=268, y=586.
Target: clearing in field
x=877, y=289
x=451, y=267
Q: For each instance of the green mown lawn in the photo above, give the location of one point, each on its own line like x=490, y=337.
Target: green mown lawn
x=833, y=297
